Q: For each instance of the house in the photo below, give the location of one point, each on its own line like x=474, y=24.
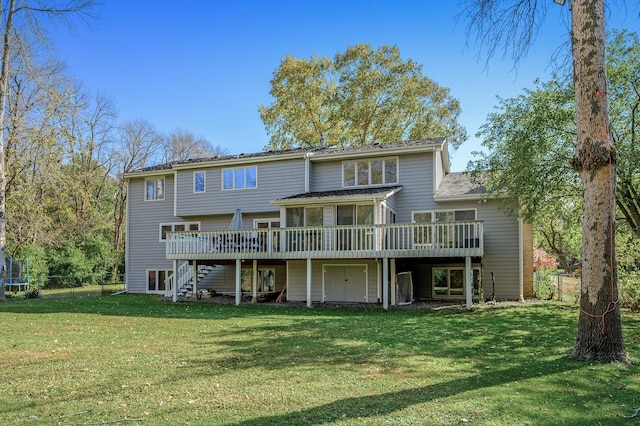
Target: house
x=383, y=223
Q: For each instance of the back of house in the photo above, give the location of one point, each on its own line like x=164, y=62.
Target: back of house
x=383, y=223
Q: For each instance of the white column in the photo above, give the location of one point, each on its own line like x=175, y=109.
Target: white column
x=254, y=281
x=385, y=283
x=468, y=281
x=194, y=291
x=238, y=283
x=393, y=281
x=309, y=282
x=175, y=280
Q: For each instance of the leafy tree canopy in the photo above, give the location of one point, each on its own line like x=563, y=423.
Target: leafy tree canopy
x=529, y=140
x=360, y=97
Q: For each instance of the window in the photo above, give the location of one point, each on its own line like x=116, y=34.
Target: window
x=444, y=216
x=449, y=281
x=240, y=178
x=154, y=189
x=156, y=279
x=179, y=227
x=199, y=181
x=266, y=280
x=445, y=233
x=370, y=172
x=304, y=216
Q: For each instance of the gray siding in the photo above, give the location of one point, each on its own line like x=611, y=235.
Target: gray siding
x=501, y=246
x=416, y=178
x=144, y=250
x=275, y=180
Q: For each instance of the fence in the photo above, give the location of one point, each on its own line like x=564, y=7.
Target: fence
x=68, y=286
x=550, y=285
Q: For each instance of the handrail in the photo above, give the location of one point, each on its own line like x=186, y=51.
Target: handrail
x=374, y=240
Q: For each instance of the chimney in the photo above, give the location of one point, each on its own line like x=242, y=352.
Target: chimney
x=321, y=140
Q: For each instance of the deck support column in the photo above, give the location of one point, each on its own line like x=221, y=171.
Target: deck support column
x=238, y=287
x=174, y=290
x=309, y=276
x=254, y=281
x=469, y=282
x=385, y=283
x=194, y=290
x=393, y=283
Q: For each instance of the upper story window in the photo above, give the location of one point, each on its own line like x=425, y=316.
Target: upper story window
x=154, y=189
x=240, y=178
x=178, y=226
x=380, y=171
x=199, y=179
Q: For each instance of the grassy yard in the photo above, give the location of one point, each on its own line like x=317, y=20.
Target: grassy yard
x=91, y=360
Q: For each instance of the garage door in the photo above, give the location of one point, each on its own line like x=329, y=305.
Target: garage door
x=345, y=283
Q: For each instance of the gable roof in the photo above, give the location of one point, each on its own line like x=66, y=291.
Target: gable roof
x=460, y=186
x=316, y=154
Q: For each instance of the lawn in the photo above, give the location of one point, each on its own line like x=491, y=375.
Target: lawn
x=120, y=358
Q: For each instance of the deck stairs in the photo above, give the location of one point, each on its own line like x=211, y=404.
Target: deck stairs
x=184, y=279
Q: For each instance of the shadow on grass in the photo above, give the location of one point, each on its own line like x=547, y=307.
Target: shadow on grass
x=371, y=406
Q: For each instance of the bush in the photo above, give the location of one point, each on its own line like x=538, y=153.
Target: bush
x=629, y=289
x=545, y=287
x=32, y=294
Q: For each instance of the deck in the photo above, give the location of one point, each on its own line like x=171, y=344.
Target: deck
x=442, y=239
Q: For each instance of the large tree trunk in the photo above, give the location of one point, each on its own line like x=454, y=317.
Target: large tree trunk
x=599, y=335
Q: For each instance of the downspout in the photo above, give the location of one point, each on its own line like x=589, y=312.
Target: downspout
x=307, y=171
x=520, y=260
x=127, y=261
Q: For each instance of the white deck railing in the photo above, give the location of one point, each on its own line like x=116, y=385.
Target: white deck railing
x=396, y=240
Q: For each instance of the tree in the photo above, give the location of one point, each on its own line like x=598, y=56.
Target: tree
x=137, y=146
x=360, y=97
x=182, y=145
x=11, y=32
x=599, y=335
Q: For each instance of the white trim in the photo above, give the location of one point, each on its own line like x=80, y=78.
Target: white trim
x=521, y=258
x=433, y=212
x=464, y=284
x=233, y=169
x=164, y=188
x=173, y=228
x=269, y=220
x=204, y=181
x=127, y=253
x=370, y=160
x=167, y=272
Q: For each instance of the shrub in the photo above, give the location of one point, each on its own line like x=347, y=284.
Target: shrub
x=545, y=287
x=629, y=289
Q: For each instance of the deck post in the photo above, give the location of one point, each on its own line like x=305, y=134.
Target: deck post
x=254, y=281
x=174, y=290
x=194, y=291
x=238, y=287
x=385, y=283
x=469, y=282
x=309, y=282
x=392, y=279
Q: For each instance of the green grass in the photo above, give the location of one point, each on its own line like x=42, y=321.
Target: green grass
x=86, y=360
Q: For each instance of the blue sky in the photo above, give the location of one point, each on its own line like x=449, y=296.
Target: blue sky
x=206, y=65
